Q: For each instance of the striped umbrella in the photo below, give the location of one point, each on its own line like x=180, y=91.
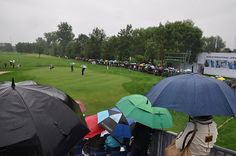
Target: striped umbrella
x=115, y=122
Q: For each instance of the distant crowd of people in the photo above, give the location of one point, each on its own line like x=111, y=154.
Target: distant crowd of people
x=142, y=67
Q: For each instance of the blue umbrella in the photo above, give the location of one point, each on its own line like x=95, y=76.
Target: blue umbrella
x=194, y=94
x=115, y=122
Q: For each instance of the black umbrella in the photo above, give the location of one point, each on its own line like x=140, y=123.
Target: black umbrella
x=31, y=115
x=52, y=92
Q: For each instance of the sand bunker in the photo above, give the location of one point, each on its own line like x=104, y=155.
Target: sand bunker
x=3, y=72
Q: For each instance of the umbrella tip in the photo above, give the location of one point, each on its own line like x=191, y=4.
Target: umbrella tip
x=13, y=83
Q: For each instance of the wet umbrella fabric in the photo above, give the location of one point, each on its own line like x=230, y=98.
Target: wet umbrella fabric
x=194, y=94
x=54, y=92
x=139, y=108
x=92, y=122
x=26, y=113
x=115, y=123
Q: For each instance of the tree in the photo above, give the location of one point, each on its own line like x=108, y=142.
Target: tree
x=40, y=45
x=139, y=36
x=25, y=47
x=72, y=49
x=139, y=58
x=6, y=47
x=153, y=39
x=151, y=50
x=110, y=48
x=97, y=38
x=82, y=42
x=51, y=37
x=145, y=44
x=227, y=50
x=213, y=44
x=183, y=37
x=125, y=42
x=51, y=43
x=64, y=35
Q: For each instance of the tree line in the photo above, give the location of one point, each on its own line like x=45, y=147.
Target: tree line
x=6, y=47
x=142, y=44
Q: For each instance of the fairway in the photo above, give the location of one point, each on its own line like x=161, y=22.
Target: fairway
x=99, y=88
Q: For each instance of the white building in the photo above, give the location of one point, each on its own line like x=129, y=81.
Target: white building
x=222, y=64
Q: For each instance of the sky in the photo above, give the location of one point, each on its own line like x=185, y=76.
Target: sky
x=26, y=20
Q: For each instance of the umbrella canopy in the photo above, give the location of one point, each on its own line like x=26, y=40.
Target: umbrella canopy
x=92, y=122
x=194, y=94
x=139, y=108
x=26, y=112
x=65, y=98
x=115, y=122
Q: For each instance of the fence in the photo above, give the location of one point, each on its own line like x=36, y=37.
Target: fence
x=162, y=139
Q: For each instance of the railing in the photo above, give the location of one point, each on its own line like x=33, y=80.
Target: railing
x=162, y=139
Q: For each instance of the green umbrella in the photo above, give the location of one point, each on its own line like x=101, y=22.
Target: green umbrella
x=139, y=108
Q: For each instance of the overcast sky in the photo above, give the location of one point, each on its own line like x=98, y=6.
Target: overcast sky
x=25, y=20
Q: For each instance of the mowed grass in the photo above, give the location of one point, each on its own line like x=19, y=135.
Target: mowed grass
x=99, y=88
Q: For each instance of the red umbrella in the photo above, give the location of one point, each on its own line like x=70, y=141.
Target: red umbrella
x=92, y=122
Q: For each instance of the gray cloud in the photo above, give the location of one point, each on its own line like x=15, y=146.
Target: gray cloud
x=25, y=20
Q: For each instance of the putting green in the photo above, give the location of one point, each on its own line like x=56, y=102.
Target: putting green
x=97, y=90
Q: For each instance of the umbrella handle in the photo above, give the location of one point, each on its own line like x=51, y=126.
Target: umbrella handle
x=13, y=83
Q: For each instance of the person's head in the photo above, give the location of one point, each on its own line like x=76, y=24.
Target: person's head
x=201, y=118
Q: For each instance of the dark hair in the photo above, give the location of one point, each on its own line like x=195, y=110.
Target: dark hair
x=201, y=118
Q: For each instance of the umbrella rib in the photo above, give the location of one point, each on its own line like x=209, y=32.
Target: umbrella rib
x=212, y=80
x=45, y=92
x=226, y=99
x=194, y=82
x=160, y=91
x=5, y=90
x=26, y=108
x=169, y=83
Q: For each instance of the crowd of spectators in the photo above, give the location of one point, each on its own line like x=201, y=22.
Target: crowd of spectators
x=148, y=67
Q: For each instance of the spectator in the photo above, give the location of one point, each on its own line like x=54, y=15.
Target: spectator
x=113, y=144
x=205, y=136
x=83, y=68
x=72, y=67
x=18, y=66
x=51, y=66
x=93, y=145
x=141, y=140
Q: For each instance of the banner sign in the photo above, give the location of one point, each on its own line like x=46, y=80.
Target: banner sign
x=222, y=64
